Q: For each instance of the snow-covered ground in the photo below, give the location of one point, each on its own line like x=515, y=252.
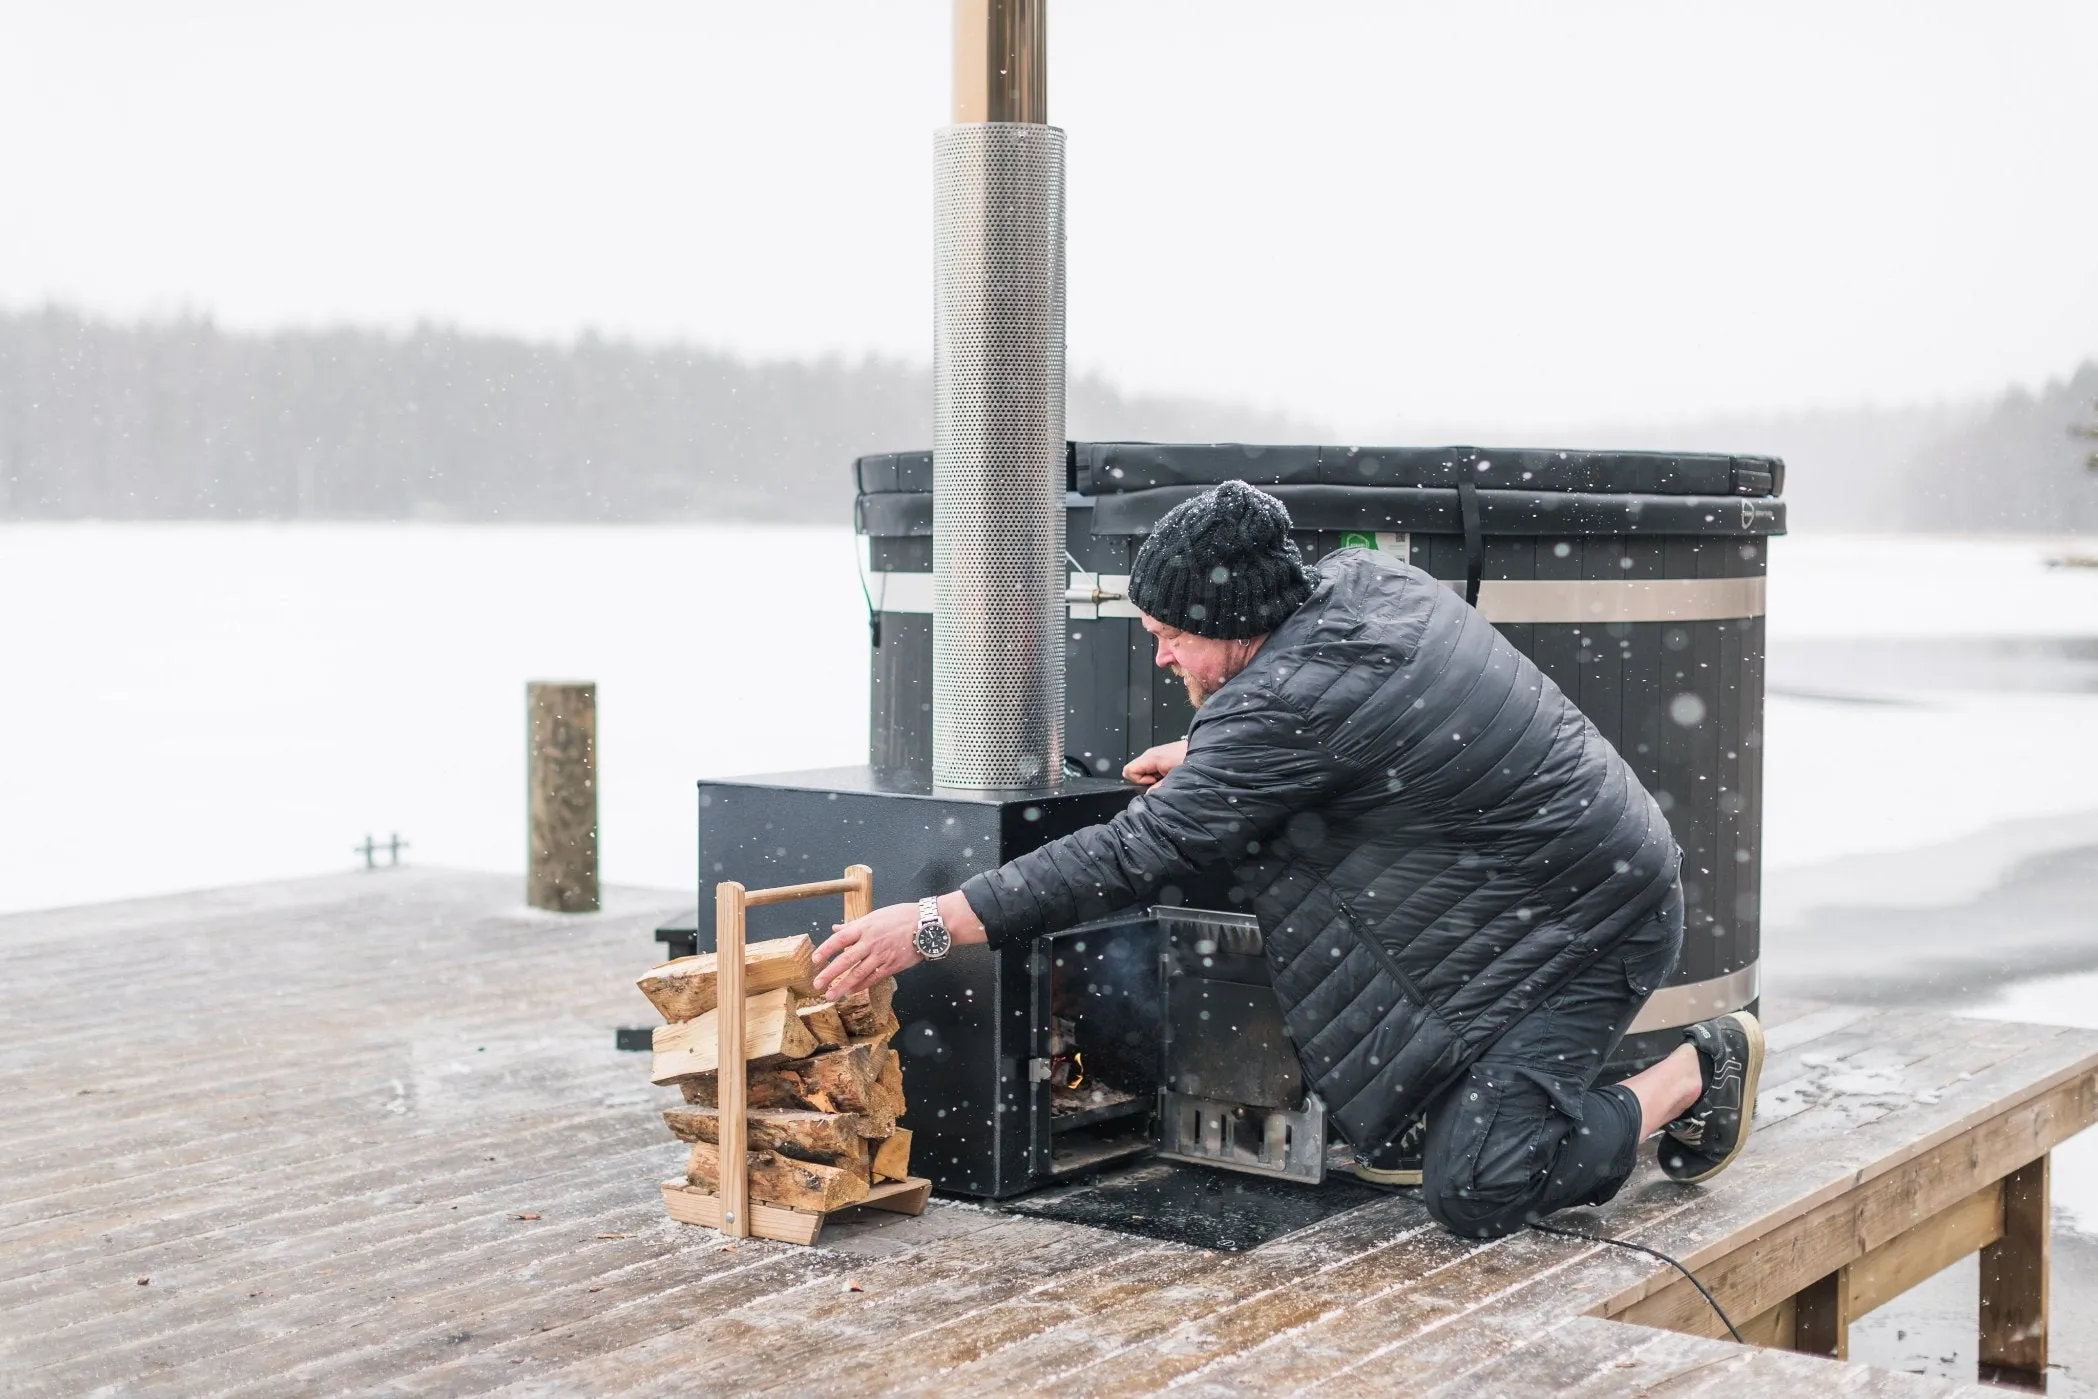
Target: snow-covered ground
x=196, y=704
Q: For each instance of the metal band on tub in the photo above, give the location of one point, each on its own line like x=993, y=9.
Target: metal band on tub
x=1563, y=601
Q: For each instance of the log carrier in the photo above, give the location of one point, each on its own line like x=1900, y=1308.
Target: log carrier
x=791, y=1100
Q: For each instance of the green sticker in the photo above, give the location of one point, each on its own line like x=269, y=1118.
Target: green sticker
x=1358, y=541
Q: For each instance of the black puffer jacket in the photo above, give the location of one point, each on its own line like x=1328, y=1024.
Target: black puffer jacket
x=1432, y=835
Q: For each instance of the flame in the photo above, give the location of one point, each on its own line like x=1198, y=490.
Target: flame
x=1077, y=1069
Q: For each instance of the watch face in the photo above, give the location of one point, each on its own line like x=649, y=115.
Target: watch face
x=933, y=941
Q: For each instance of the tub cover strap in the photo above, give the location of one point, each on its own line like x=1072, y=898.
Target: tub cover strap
x=1474, y=539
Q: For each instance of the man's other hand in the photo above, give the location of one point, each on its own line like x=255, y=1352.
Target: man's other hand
x=1150, y=767
x=862, y=952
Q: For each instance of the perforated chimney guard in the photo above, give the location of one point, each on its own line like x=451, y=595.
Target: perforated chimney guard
x=998, y=457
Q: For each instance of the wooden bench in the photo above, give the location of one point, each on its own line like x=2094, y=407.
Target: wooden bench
x=1870, y=1195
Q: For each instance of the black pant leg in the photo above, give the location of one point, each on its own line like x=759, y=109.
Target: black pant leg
x=1526, y=1132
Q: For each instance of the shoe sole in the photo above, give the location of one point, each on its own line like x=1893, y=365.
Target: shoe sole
x=1372, y=1176
x=1754, y=1078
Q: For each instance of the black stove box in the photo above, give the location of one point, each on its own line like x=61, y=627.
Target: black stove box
x=973, y=1021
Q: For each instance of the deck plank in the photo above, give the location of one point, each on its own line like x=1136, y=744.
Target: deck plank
x=1590, y=1359
x=1131, y=1318
x=284, y=1256
x=803, y=1332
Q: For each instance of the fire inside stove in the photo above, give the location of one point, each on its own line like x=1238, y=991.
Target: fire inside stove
x=1104, y=1044
x=1072, y=1092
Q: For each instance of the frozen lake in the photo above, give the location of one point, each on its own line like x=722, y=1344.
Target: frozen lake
x=209, y=704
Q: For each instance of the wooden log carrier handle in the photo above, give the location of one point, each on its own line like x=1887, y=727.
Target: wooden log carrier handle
x=732, y=1077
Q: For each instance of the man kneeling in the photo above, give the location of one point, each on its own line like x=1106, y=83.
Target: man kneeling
x=1464, y=891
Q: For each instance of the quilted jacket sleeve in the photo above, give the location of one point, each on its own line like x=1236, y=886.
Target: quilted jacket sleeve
x=1251, y=765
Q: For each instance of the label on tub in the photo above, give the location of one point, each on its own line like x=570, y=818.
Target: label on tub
x=1399, y=546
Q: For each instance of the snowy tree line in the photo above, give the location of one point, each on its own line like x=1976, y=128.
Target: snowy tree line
x=180, y=419
x=2017, y=465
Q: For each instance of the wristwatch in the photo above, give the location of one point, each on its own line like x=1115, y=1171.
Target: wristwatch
x=932, y=940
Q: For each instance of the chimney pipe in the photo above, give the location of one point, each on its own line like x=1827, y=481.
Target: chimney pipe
x=998, y=435
x=1001, y=62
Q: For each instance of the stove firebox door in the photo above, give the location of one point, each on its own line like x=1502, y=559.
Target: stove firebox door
x=1234, y=1092
x=1099, y=1013
x=1228, y=1044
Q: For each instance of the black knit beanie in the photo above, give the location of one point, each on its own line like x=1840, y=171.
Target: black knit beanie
x=1222, y=565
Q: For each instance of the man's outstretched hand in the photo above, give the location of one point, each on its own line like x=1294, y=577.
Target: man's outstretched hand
x=862, y=952
x=1150, y=767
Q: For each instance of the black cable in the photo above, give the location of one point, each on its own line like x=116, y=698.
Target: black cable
x=873, y=615
x=1651, y=1253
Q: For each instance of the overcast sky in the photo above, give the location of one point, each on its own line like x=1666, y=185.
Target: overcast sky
x=1371, y=213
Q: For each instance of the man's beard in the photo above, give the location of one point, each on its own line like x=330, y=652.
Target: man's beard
x=1195, y=693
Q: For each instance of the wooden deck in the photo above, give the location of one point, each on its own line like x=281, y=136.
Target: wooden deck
x=369, y=1133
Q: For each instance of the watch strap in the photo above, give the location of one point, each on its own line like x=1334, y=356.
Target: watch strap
x=932, y=930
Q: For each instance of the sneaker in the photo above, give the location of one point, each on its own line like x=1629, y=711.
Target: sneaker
x=1395, y=1163
x=1705, y=1140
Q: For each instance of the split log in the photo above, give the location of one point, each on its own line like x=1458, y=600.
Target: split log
x=877, y=1119
x=890, y=1081
x=824, y=1022
x=782, y=1180
x=880, y=1027
x=766, y=1089
x=850, y=1079
x=685, y=989
x=846, y=1080
x=890, y=1158
x=869, y=1013
x=771, y=1030
x=831, y=1138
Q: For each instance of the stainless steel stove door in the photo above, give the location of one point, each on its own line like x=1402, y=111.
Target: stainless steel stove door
x=1234, y=1092
x=1225, y=1041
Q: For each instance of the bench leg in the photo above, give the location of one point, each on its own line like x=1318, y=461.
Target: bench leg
x=2014, y=1284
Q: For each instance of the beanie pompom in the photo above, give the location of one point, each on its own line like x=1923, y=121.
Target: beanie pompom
x=1222, y=565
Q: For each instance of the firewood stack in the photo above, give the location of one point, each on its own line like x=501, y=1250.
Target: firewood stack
x=825, y=1089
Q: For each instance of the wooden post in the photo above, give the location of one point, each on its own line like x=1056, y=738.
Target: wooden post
x=732, y=1083
x=859, y=900
x=2014, y=1284
x=561, y=763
